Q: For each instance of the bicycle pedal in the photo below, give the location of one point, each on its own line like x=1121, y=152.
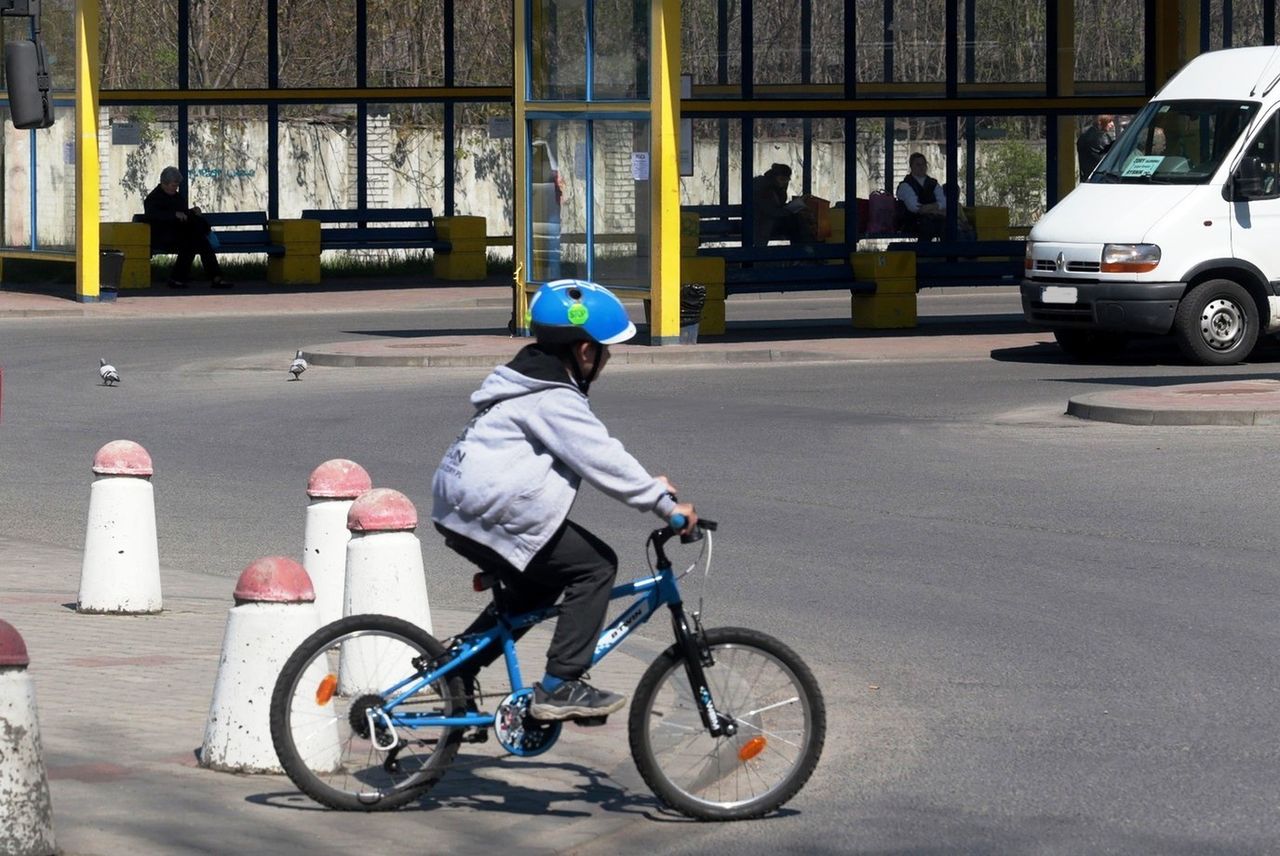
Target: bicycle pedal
x=480, y=735
x=591, y=721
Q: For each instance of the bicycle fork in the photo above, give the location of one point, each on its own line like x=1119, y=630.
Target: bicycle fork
x=697, y=657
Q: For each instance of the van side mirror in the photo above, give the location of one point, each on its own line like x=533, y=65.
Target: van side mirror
x=27, y=82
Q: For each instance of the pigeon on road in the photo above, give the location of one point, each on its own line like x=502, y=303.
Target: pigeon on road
x=298, y=366
x=108, y=373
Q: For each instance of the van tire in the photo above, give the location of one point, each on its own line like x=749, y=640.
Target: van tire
x=1089, y=345
x=1216, y=323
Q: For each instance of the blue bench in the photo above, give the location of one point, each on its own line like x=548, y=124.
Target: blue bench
x=805, y=267
x=237, y=231
x=377, y=228
x=959, y=263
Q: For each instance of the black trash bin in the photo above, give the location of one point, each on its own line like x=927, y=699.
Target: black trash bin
x=693, y=298
x=110, y=268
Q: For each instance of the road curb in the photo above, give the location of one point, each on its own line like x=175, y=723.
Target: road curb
x=1238, y=403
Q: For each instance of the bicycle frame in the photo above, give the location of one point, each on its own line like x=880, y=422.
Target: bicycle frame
x=650, y=592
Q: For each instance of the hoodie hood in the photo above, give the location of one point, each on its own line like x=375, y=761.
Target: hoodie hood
x=534, y=369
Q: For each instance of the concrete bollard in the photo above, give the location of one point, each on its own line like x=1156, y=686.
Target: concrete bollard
x=275, y=610
x=333, y=486
x=27, y=829
x=385, y=575
x=121, y=568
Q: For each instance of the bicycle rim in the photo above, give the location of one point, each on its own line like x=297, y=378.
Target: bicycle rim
x=780, y=729
x=333, y=738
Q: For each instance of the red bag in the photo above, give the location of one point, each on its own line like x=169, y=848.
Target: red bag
x=880, y=212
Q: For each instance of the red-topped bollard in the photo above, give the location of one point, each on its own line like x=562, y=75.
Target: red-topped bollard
x=333, y=486
x=27, y=829
x=384, y=573
x=274, y=611
x=121, y=568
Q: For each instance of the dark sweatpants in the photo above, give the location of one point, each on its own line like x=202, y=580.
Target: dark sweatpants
x=574, y=562
x=187, y=239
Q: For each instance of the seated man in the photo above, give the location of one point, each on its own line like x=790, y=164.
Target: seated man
x=924, y=200
x=178, y=229
x=775, y=217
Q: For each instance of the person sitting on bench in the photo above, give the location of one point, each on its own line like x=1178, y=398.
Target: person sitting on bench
x=775, y=217
x=178, y=229
x=924, y=200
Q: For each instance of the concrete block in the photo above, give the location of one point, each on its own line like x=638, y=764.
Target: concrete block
x=877, y=266
x=293, y=270
x=901, y=285
x=884, y=311
x=713, y=320
x=125, y=236
x=294, y=234
x=701, y=269
x=136, y=272
x=461, y=266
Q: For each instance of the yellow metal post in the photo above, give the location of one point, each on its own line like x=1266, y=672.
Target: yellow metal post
x=520, y=142
x=664, y=171
x=1067, y=126
x=1177, y=29
x=86, y=143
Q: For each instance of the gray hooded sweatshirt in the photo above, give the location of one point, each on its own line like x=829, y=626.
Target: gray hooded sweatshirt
x=511, y=477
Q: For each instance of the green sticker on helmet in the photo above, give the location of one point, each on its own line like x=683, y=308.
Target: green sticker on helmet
x=578, y=314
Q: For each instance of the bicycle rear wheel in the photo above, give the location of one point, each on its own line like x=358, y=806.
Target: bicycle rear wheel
x=766, y=690
x=328, y=725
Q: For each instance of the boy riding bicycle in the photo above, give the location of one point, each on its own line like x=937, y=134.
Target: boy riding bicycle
x=503, y=490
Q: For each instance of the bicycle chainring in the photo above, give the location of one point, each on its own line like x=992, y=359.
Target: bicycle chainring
x=518, y=732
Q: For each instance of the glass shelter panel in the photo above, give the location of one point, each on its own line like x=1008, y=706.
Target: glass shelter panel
x=317, y=158
x=1002, y=45
x=227, y=159
x=317, y=43
x=919, y=42
x=483, y=34
x=406, y=42
x=558, y=58
x=406, y=156
x=1109, y=58
x=228, y=47
x=557, y=199
x=137, y=143
x=711, y=172
x=483, y=183
x=620, y=202
x=777, y=42
x=1009, y=166
x=711, y=45
x=620, y=65
x=128, y=33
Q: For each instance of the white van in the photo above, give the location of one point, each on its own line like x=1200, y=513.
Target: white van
x=1178, y=228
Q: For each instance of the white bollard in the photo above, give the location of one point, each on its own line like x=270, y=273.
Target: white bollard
x=27, y=828
x=385, y=575
x=275, y=610
x=333, y=486
x=120, y=572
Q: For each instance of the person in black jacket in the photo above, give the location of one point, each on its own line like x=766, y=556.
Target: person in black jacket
x=924, y=200
x=1094, y=142
x=181, y=230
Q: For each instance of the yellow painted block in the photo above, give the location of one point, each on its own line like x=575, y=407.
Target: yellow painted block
x=117, y=236
x=837, y=226
x=901, y=285
x=461, y=227
x=712, y=323
x=136, y=272
x=884, y=311
x=293, y=233
x=990, y=222
x=461, y=266
x=701, y=269
x=879, y=266
x=715, y=290
x=293, y=270
x=689, y=225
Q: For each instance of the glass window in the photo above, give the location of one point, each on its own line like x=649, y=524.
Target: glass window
x=405, y=42
x=483, y=173
x=1258, y=175
x=1106, y=54
x=228, y=47
x=621, y=192
x=704, y=186
x=621, y=45
x=776, y=38
x=1005, y=46
x=128, y=32
x=406, y=156
x=138, y=143
x=227, y=158
x=317, y=157
x=558, y=57
x=317, y=43
x=557, y=199
x=702, y=31
x=482, y=33
x=919, y=42
x=1175, y=142
x=1009, y=166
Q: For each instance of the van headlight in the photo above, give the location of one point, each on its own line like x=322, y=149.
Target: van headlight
x=1130, y=258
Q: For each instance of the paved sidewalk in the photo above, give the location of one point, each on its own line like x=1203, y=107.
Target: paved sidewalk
x=122, y=704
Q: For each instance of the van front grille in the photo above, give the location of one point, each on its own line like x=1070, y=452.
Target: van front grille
x=1072, y=267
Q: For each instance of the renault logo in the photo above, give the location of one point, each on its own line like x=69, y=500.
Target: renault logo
x=1061, y=262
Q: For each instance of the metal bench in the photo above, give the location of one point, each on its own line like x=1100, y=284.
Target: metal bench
x=805, y=267
x=377, y=228
x=237, y=232
x=960, y=263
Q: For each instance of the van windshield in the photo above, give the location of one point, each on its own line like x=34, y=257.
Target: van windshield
x=1175, y=142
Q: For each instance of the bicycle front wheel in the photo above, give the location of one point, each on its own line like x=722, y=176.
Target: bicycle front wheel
x=332, y=732
x=763, y=687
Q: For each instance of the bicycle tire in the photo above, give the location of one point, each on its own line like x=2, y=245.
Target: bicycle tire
x=319, y=743
x=779, y=739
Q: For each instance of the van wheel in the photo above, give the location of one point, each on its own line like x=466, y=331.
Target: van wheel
x=1216, y=324
x=1091, y=344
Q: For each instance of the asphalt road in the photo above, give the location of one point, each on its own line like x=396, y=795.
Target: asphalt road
x=1035, y=634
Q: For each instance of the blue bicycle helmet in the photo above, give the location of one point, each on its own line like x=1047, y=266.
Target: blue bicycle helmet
x=574, y=310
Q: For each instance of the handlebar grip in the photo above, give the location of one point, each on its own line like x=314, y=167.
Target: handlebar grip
x=678, y=521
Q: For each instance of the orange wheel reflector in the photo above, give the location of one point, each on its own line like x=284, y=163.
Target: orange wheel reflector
x=751, y=748
x=325, y=691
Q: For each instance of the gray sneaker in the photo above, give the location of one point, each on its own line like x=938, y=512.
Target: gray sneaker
x=574, y=700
